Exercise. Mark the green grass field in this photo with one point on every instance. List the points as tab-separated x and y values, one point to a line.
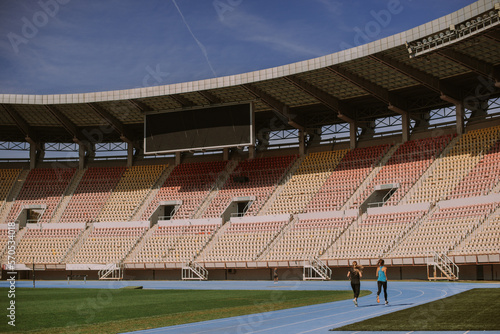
476	309
112	311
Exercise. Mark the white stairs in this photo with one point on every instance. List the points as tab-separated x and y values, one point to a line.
441	266
194	271
111	271
315	269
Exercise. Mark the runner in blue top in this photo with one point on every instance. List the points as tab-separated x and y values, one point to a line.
382	280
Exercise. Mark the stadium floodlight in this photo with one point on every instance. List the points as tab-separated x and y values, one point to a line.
409	48
454	32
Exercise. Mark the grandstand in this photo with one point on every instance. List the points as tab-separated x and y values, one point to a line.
387	150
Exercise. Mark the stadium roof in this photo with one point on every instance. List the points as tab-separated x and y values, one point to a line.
454	59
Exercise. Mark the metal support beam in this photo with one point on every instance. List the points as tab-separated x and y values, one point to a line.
212	98
429	81
405	121
111	120
493	35
345	118
66	123
328	100
371	88
480	67
459	111
184	102
140	105
29	134
278	107
116	125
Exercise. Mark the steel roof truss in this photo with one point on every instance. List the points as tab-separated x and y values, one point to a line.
431	82
21	123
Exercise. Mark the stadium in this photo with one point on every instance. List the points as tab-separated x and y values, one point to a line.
386	150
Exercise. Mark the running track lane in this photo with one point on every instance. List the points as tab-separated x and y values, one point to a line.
323	317
308	319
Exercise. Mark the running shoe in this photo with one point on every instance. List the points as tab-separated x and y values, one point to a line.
355	302
378	299
386	302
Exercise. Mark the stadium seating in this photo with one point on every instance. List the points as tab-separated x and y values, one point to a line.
305	183
243	239
176	241
130	192
108	244
91	194
260	178
443	230
189	182
456	165
482	178
47	244
375	234
452	208
309	236
406	165
4	237
7	179
347	177
43	186
485	240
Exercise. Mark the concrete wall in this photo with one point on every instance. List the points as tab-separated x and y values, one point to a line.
487	272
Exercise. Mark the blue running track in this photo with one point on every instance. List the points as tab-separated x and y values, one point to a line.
308	319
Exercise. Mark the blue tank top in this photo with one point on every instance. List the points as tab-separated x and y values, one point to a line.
381	275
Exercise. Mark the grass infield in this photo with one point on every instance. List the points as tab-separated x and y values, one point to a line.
476	309
119	310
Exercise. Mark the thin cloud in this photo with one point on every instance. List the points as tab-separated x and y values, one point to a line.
200	45
253	28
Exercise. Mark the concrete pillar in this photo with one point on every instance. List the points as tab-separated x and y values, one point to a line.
251	152
81	156
177	158
459	111
352	135
130	154
302	142
460	117
33	155
405	120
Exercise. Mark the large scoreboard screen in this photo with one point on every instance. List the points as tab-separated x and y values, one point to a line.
198	129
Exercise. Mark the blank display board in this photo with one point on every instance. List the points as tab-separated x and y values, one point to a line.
197	129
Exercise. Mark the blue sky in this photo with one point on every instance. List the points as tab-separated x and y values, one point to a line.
77	46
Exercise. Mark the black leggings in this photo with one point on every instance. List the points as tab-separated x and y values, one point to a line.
355	288
380	285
